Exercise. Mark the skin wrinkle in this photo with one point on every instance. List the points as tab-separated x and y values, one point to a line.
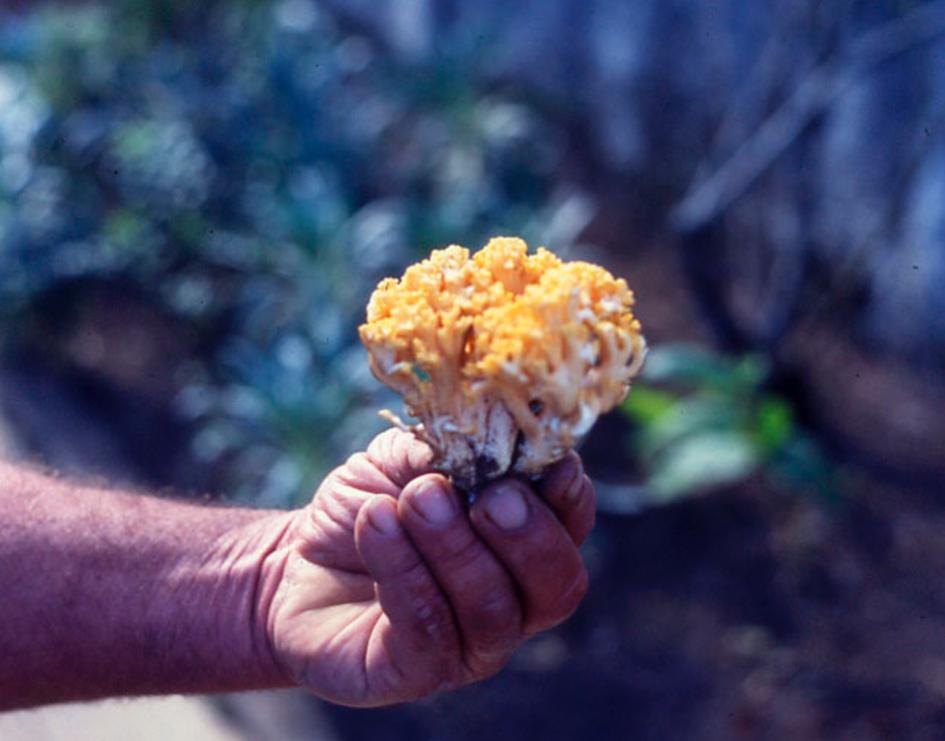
328	522
108	593
360	469
391	447
461	558
346	639
265	584
383	678
493	611
371	649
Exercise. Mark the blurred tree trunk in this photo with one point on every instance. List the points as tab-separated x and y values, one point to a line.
792	151
773	137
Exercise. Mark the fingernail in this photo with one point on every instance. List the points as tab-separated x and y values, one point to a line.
384	519
434	504
506	507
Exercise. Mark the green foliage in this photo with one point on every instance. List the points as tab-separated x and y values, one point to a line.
254	170
704	421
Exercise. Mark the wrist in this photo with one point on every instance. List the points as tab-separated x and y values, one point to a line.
224	602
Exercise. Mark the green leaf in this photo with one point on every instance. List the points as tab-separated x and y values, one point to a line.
645	404
686	364
702	462
749	373
684	418
775	424
698	368
800	464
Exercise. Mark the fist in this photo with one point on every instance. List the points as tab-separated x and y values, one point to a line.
389	590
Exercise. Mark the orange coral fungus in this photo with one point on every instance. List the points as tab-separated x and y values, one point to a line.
506	358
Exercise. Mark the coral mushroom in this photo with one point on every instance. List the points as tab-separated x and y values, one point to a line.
506	358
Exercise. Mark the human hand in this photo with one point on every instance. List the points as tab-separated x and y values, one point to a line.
386	590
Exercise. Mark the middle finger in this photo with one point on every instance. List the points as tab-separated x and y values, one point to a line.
478	587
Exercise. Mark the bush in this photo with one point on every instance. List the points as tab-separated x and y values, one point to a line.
703	421
253	169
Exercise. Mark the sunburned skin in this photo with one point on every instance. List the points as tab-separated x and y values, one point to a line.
507	359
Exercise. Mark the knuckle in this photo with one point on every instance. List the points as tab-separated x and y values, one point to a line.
386	438
376	447
355	468
495	619
428	609
560	608
411	570
463	553
399	455
497	606
356	459
406	568
381	447
429	617
351	471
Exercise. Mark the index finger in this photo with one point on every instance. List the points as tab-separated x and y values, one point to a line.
400	456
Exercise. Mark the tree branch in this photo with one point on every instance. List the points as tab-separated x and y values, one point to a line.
710	196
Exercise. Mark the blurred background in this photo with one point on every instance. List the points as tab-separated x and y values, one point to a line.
196	201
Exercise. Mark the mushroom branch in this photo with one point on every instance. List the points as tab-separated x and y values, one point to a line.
506	358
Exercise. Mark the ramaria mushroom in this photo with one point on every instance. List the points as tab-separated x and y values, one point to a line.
507	359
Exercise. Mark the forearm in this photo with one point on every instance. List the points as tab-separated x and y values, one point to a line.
104	593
